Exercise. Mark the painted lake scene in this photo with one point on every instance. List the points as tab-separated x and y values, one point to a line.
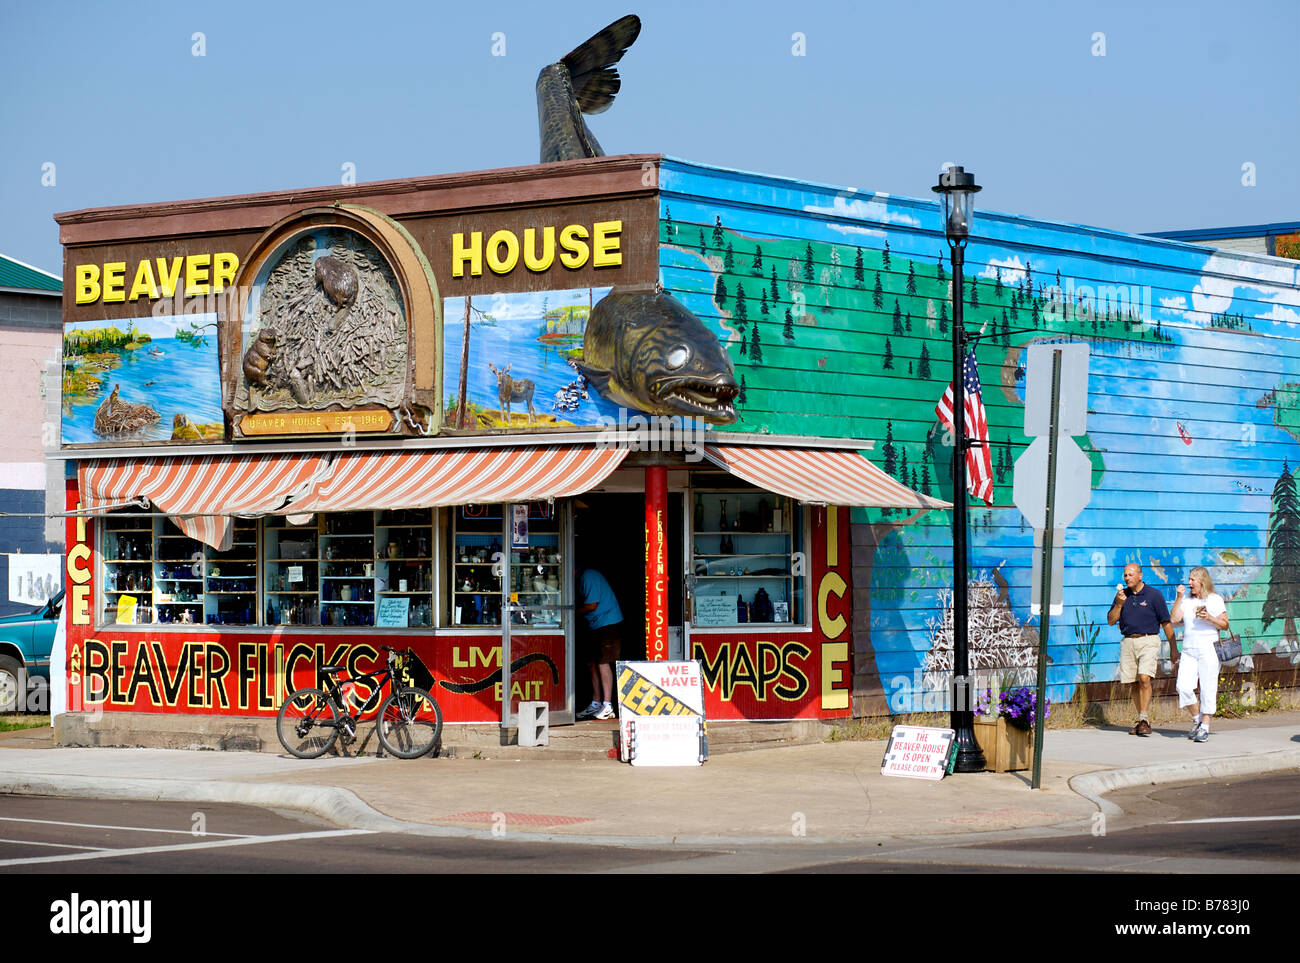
520	371
143	380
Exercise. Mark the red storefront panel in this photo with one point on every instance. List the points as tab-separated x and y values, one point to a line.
772	672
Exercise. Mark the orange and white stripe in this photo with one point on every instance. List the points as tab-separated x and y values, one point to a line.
361	480
823	476
201	493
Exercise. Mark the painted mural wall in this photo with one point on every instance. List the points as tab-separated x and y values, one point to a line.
834	306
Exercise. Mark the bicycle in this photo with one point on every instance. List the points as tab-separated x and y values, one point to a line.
408	724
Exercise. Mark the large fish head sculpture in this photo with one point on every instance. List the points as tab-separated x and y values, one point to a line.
647	351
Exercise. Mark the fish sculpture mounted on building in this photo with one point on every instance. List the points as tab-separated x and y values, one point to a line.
584	81
645	350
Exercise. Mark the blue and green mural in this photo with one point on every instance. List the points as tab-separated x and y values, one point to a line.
834	306
146	380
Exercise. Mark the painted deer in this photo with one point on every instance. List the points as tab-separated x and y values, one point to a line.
511	389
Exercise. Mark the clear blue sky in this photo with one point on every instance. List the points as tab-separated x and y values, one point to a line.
1151	136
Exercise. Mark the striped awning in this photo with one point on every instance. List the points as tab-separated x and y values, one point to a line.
823	476
360	480
201	493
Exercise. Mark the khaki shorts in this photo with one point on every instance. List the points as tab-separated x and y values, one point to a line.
1137	656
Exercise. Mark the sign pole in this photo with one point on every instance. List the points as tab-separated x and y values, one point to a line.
1045	605
656	563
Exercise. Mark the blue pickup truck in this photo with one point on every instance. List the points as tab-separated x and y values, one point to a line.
25	642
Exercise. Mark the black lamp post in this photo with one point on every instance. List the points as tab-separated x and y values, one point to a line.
957	190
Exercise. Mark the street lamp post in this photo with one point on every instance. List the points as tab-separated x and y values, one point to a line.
957	190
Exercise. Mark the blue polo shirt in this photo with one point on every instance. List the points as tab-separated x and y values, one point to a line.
1143	612
592	587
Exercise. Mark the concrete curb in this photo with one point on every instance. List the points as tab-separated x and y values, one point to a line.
1094	785
341	807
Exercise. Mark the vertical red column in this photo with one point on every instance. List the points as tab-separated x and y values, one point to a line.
656	563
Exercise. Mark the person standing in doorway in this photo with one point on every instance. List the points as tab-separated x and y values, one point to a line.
600	644
1203	616
1140	611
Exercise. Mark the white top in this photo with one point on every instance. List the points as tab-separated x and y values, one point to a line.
1201	631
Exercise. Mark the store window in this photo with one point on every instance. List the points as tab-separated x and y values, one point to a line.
340	569
745	544
155	573
536	564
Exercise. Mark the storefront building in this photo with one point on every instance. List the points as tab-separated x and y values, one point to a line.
303	425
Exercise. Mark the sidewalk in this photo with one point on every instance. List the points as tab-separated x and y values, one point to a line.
831	791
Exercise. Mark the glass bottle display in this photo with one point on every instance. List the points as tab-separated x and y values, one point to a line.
744	571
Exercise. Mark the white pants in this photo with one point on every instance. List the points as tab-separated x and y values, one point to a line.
1198	663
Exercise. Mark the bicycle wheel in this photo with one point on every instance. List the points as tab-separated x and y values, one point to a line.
409	723
308	723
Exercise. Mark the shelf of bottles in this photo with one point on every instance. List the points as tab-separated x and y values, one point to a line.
404	564
291	572
230	577
537	572
742	543
127	549
476	565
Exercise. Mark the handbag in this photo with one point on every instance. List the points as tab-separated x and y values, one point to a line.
1229	649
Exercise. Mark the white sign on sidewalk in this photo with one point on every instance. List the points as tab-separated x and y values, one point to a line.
919	752
661	713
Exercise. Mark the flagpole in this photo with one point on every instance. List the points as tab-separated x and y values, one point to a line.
962	718
956	188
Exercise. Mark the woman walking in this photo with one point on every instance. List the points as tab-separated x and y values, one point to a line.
1203	616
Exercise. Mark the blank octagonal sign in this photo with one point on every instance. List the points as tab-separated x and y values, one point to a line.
1073	482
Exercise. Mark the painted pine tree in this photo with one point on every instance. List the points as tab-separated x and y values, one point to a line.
788	331
762	303
878	294
669	228
742	309
884	256
898	318
859	276
889	355
744	343
776	295
720	293
703	247
943	318
808	263
911	277
1283	600
974	294
729	260
888	449
923	363
757	265
717	233
743	391
755	347
939	271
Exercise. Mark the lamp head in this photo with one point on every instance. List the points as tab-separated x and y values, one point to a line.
958	189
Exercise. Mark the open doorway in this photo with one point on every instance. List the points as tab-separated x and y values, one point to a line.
609	536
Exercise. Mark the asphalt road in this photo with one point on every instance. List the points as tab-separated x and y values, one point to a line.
1255	828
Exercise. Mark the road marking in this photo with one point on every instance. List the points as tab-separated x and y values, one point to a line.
130	829
32	842
184	847
1233	819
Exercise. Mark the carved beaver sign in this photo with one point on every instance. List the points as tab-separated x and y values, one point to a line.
338	280
257	360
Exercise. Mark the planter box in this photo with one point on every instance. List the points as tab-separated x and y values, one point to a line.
1006	748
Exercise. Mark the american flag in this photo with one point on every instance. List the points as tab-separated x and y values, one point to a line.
979	463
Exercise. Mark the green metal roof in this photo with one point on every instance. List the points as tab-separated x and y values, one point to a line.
16	274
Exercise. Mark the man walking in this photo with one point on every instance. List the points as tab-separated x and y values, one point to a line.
1140	611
